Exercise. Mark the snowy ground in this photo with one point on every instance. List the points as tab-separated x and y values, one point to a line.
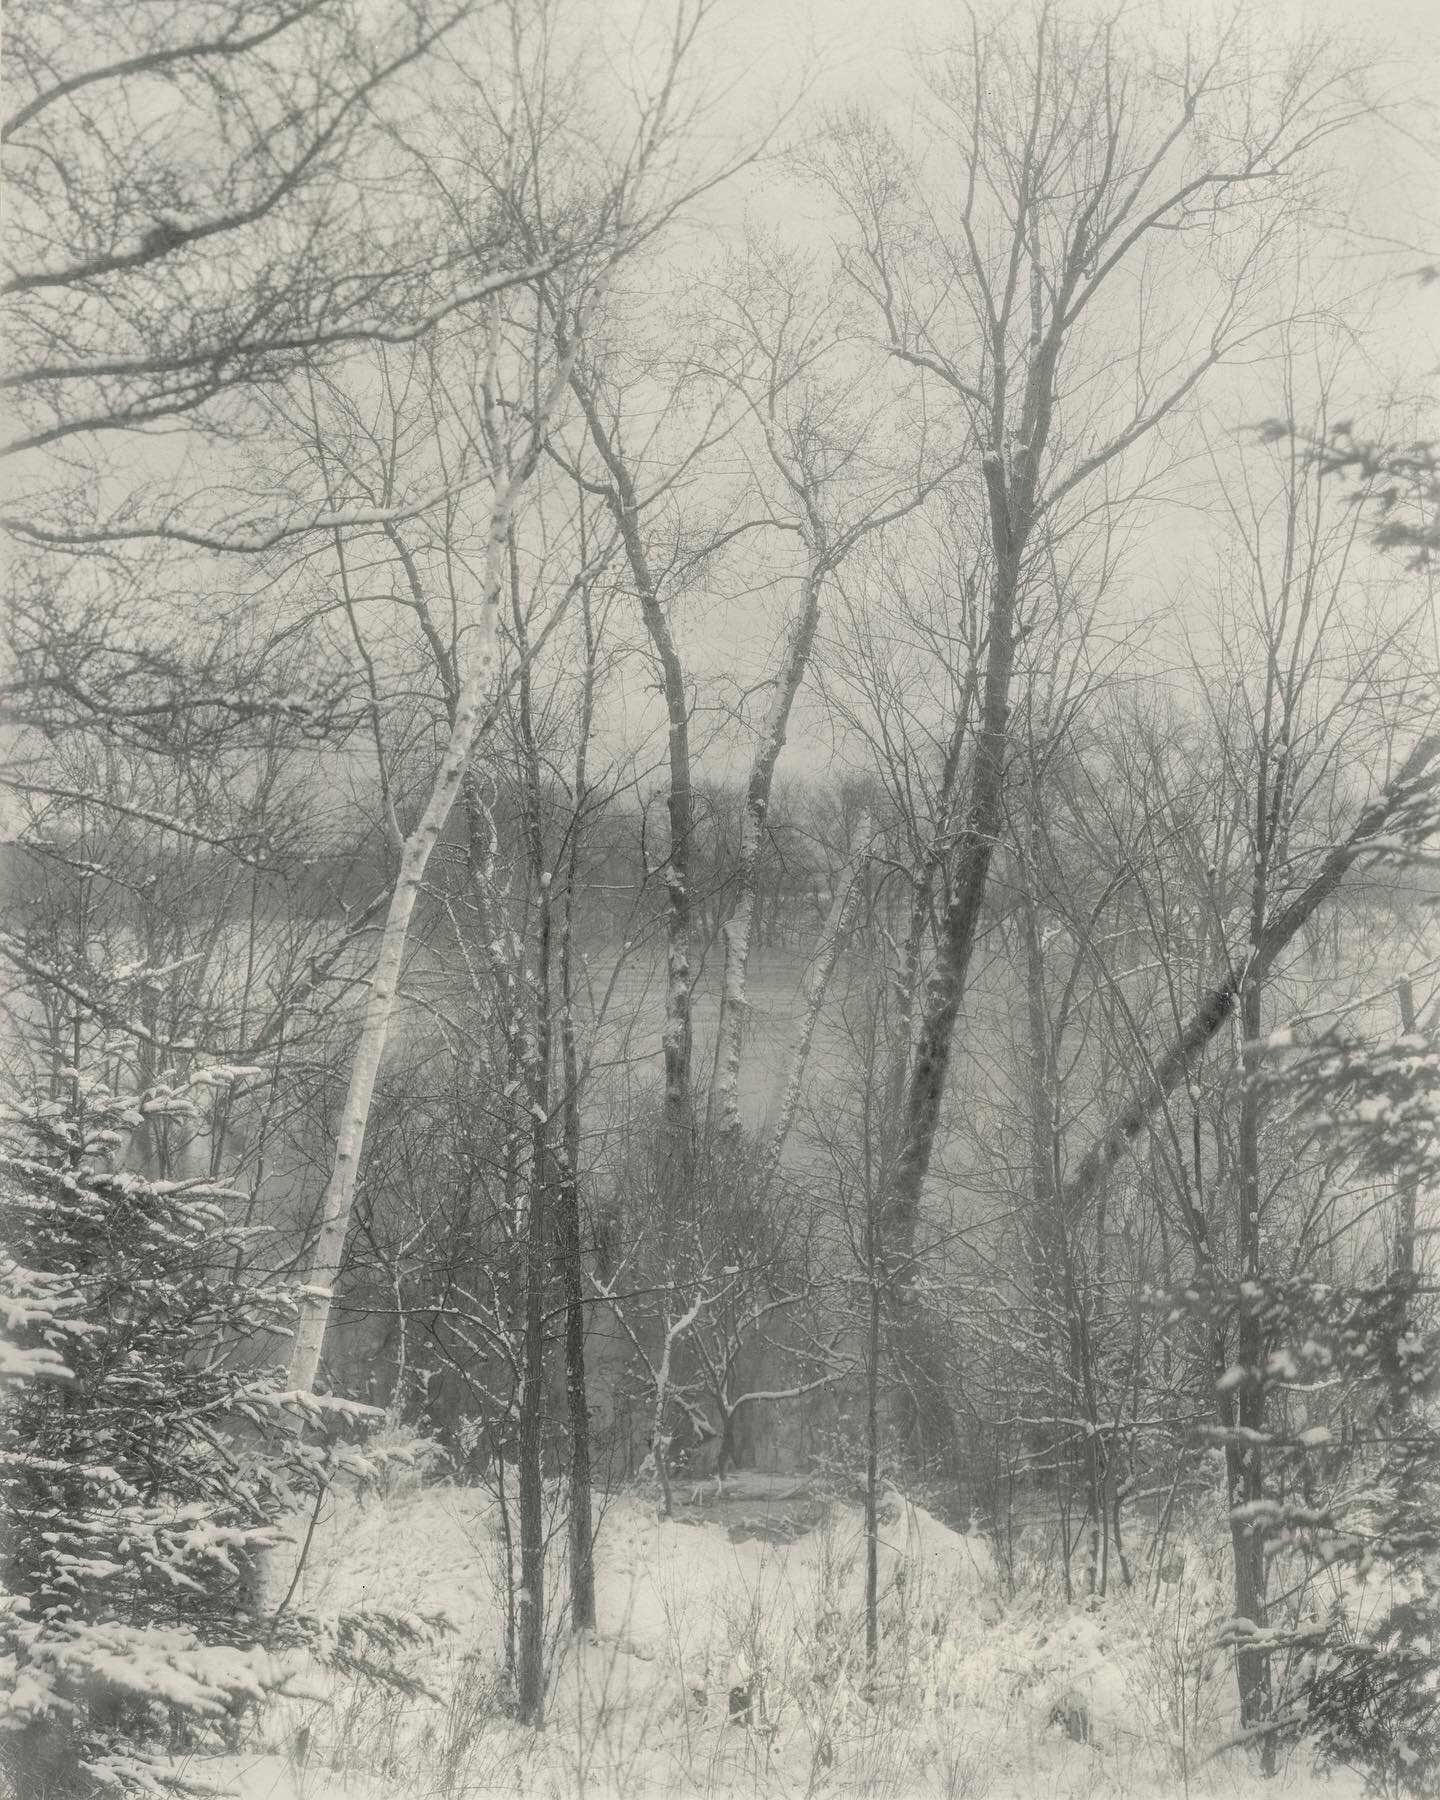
977	1692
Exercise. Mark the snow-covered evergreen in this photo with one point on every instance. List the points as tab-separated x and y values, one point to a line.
148	1461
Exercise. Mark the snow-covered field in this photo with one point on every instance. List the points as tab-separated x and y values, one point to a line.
977	1691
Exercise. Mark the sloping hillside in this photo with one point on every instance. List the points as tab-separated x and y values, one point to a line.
730	1660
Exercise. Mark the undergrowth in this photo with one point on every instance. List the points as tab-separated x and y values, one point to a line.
740	1669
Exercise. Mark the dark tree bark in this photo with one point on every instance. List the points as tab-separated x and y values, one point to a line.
567	1195
1243	1464
530	1668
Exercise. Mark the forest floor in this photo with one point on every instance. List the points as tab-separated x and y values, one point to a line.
730	1660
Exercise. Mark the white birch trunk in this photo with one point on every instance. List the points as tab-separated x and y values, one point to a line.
733	1000
826	955
318	1292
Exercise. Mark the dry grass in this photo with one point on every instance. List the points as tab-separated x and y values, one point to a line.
975	1692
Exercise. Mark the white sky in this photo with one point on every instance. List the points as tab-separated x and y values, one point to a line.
865	50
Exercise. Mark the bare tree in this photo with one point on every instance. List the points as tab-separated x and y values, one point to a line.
511	426
1075	161
787	356
196	204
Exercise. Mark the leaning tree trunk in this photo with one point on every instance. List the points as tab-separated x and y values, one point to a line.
1385	813
945	991
1408	794
971	871
932	859
323	1269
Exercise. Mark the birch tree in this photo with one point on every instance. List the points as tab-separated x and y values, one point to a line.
793	360
520	378
637	500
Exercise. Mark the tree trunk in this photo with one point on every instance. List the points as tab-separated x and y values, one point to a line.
531	1406
567	1239
677	1036
323	1270
727	1457
1404	1270
752	837
502	1497
1244	1473
1056	1233
1403	793
530	1679
945	991
580	1510
946	988
317	1293
874	1272
826	954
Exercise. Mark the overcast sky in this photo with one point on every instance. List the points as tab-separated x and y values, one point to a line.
843	51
